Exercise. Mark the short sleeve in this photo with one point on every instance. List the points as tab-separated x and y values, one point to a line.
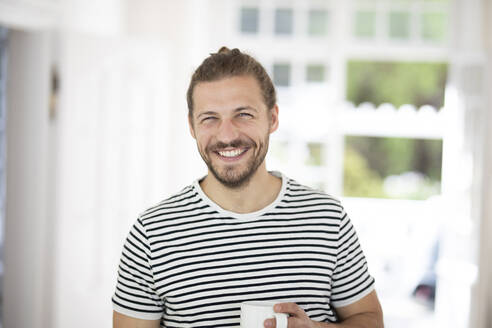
351	280
135	294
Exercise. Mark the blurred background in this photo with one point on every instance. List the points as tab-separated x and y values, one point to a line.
383	103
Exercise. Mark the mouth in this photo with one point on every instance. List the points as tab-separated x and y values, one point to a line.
231	154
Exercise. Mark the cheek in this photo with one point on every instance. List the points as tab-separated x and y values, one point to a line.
202	140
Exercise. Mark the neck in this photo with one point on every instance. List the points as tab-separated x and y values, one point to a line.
260	191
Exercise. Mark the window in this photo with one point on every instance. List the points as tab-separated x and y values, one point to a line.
433	26
284	21
399	25
281	75
318	22
315	73
280	150
398	83
365	24
315	154
249	20
399	168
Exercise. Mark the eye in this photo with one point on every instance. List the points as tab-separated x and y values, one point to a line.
208	119
245	115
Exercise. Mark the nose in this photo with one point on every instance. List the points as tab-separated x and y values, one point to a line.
227	131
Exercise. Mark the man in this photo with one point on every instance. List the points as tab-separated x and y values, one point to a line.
241	233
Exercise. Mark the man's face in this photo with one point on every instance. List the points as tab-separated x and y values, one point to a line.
232	125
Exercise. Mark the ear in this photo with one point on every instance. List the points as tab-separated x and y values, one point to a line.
190	125
274	118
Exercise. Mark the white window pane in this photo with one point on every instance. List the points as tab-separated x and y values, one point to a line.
249	20
399	25
318	22
315	154
284	21
315	73
434	26
281	75
365	24
280	150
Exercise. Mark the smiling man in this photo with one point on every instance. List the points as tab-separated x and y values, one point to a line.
241	232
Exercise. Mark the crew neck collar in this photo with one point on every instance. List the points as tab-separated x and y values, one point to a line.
222	211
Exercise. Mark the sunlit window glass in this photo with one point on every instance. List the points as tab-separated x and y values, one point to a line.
365	24
281	74
280	150
400	168
315	73
399	25
318	22
397	83
315	154
284	21
249	20
433	26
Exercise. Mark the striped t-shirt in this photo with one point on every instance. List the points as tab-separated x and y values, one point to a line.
190	263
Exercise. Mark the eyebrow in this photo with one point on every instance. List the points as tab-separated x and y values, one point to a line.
206	113
238	109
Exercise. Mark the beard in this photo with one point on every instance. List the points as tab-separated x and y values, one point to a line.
235	176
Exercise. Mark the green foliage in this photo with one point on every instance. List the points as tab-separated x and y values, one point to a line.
427	158
370	160
390	156
315	157
359	179
397	83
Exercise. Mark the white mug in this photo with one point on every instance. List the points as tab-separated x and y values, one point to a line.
254	314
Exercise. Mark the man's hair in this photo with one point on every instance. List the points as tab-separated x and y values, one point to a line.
230	63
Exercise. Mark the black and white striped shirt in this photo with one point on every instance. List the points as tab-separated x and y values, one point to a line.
191	263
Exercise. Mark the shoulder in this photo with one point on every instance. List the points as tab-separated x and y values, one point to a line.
187	200
299	197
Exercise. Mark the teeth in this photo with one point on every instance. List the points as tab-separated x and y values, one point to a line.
230	153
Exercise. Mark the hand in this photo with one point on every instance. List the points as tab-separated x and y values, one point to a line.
298	318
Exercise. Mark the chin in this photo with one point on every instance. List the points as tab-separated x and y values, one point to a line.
234	179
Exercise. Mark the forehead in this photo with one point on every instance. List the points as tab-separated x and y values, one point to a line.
227	93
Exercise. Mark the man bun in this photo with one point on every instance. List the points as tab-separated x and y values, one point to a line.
223	50
227	51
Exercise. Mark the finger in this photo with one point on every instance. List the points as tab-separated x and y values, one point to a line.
269	323
290	308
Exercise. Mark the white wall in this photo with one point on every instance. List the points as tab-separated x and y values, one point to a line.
183	27
112	164
482	302
32	15
28	226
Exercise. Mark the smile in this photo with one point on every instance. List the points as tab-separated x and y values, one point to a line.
232	153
